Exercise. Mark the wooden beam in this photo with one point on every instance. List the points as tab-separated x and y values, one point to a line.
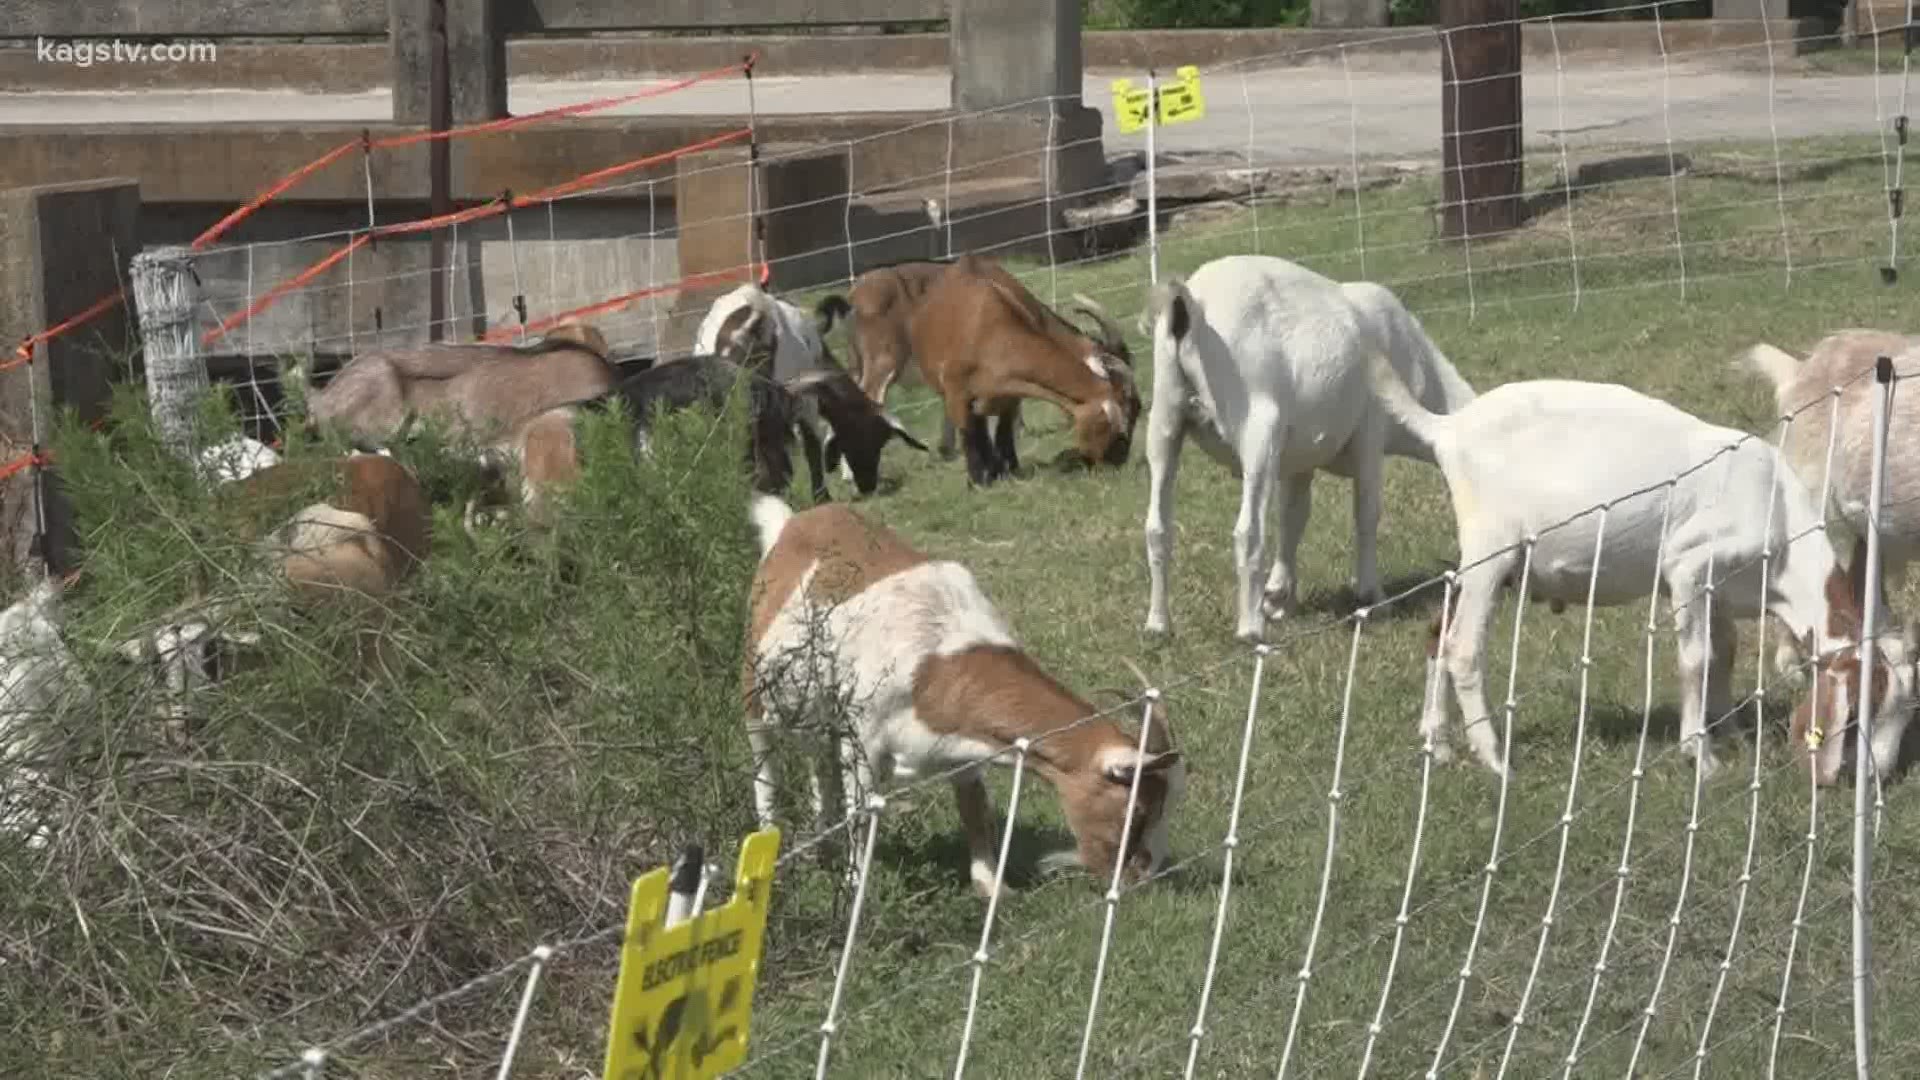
1481	135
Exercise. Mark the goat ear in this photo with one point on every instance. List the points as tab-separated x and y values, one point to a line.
900	429
810	382
830	451
1152	763
744	335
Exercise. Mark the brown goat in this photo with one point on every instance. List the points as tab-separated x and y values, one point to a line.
985	342
878	312
480	389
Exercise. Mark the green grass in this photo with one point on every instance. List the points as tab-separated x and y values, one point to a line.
593	728
1063	558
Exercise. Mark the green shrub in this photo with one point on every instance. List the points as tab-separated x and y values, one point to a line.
398	797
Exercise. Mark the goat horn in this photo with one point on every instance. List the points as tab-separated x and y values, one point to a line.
1111	336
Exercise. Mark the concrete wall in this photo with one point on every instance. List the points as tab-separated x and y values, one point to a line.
60	248
370	18
191	18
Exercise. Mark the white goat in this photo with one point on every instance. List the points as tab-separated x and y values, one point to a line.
848	618
1525	463
235	459
1263	362
36	673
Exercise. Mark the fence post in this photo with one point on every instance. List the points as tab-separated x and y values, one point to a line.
1153	170
62	246
1866	767
475	45
165	294
1480	140
439	165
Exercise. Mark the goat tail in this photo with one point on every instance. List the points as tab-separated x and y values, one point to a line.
831	308
1425	425
1779	366
770	515
1168	317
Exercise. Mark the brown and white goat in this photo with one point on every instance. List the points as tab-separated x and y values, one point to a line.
985	343
367	531
849	619
480	389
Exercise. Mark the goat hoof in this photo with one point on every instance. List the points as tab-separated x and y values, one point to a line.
1442	753
1277	603
1250	637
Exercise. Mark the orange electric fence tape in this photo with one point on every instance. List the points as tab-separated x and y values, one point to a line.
581	108
500	333
24	461
24	353
282	289
272	192
460	217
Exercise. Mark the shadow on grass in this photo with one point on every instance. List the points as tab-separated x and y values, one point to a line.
948	849
1340	601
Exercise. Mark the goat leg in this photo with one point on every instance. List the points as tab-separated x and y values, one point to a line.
1003	439
983	464
816	468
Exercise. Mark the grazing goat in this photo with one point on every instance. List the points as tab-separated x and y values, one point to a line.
749	320
878	313
985	342
545	450
1263	363
795	340
1527	463
482	390
1845	359
845	612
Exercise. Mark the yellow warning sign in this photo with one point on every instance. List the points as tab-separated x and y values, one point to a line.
1180	101
685	993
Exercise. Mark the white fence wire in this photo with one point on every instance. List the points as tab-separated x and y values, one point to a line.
1556	974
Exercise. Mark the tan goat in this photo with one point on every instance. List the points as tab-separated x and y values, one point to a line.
985	342
480	389
1803	390
878	312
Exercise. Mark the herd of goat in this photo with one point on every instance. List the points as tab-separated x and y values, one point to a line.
1567	489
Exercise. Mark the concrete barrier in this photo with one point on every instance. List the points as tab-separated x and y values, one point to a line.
61	243
345	68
